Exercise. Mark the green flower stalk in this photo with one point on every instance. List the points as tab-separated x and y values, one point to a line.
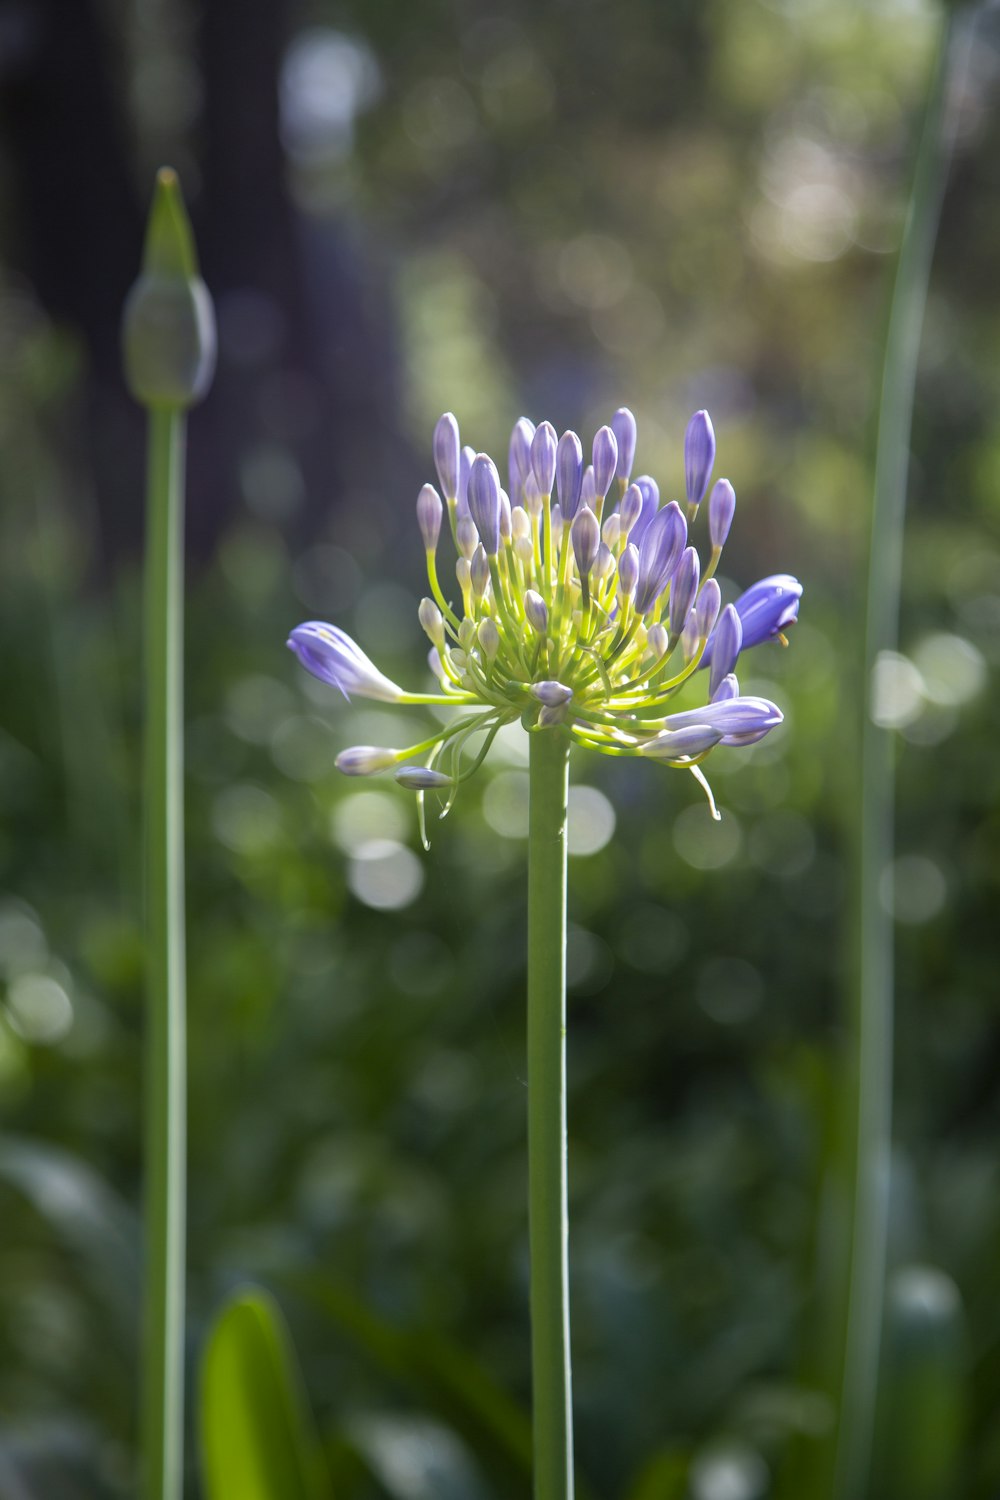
169	347
580	610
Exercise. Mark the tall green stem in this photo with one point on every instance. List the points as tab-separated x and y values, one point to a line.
547	1202
165	1137
873	1010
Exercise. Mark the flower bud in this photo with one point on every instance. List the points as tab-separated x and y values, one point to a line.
466	636
569	473
519	456
463	572
447	454
728	688
520	522
588	491
543	457
628	570
479	572
699	456
168	329
484	502
659	553
721	509
429	513
657	641
552	694
536	611
611	530
683	588
605	460
585	534
671	744
630	509
464	468
466	535
431	622
489	638
650	492
365	760
727	640
504	516
707	608
532	496
623	427
604	563
556	522
421	778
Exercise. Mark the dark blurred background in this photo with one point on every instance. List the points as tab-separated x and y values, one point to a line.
492	208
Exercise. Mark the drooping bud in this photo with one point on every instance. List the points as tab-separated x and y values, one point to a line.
519	456
429	513
365	760
727	640
543	457
569	473
623	427
168	330
585	534
431	622
659	553
536	611
605	460
699	456
683	588
489	637
421	778
721	509
447	448
552	694
484	502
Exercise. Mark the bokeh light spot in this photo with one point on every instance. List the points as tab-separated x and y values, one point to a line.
385	875
591	822
703	843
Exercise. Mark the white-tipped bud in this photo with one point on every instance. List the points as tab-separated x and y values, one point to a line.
505	514
605	564
429	513
520	523
523	550
365	760
612	530
532	496
535	611
431	622
657	641
466	535
489	638
463	572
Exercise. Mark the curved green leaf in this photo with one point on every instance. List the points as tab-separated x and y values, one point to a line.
258	1441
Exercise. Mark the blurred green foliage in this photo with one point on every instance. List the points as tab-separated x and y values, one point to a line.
670	206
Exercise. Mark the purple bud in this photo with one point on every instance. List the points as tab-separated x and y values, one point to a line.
721	509
543	457
505	521
605	460
519	456
683	588
466	535
585	534
552	694
659	553
484	502
556	522
628	570
690	638
728	688
429	513
727	640
464	468
365	760
699	456
736	718
535	611
691	739
446	454
768	607
707	608
479	572
331	655
631	508
569	473
650	492
623	427
421	778
532	496
588	490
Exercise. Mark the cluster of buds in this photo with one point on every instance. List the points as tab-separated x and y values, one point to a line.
578	605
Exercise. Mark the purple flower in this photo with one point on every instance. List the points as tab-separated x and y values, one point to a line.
330	654
766	609
484	502
691	739
446	454
659	553
730	716
623	427
699	456
605	460
569	473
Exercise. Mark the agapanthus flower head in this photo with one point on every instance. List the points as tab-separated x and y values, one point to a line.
577	605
